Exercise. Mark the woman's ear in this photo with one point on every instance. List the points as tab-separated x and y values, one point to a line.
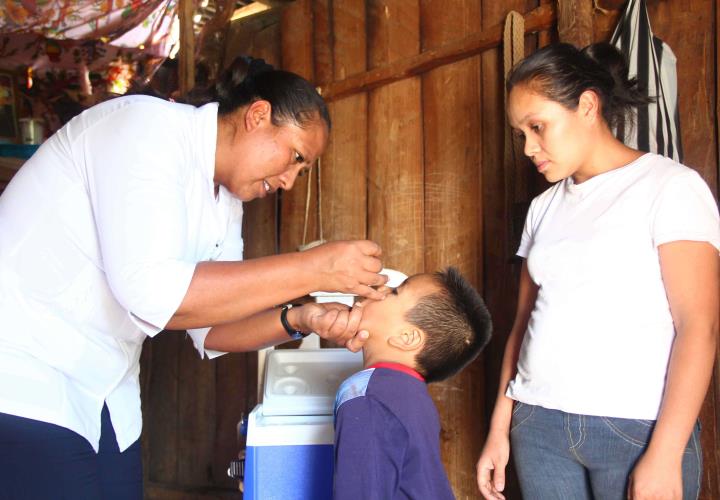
407	340
257	114
589	105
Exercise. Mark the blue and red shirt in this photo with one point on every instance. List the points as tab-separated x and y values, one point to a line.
387	437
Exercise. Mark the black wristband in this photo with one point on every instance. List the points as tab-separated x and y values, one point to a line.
292	332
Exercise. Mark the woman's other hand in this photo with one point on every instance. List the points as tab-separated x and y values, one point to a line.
350	267
656	478
331	321
491	465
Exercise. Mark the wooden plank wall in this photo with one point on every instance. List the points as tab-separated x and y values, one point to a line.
404	165
416	165
451	110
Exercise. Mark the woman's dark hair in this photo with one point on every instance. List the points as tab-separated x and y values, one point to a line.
292	98
561	72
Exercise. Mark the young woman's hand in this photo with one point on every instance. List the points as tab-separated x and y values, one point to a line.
349	267
491	465
331	321
656	478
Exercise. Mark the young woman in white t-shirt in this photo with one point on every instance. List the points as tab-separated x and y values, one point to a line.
611	352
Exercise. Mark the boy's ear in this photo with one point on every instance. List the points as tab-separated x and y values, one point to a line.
407	340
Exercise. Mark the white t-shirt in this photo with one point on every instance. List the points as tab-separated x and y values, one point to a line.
100	232
599	337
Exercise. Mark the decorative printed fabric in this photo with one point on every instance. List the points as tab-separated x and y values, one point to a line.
657	126
125	23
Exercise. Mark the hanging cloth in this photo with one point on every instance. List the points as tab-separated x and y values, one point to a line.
657	125
123	23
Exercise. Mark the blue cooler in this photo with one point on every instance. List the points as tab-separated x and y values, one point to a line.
289	447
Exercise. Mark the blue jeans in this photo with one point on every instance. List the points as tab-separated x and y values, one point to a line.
562	455
44	461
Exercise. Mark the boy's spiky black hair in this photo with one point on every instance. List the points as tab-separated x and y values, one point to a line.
457	325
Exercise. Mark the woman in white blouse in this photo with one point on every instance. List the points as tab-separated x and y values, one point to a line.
126	222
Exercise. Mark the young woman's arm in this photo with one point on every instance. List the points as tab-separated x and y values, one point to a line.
690	273
496	451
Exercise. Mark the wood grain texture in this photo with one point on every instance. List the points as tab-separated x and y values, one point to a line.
323	41
452	201
395	170
344	164
539	19
574	21
196	417
296	43
161	423
186	54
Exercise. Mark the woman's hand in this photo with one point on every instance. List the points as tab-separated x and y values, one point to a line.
491	465
656	478
332	321
349	267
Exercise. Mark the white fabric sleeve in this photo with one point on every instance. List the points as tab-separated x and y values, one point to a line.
136	188
527	234
685	210
198	339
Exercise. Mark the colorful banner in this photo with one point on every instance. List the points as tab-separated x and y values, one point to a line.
125	23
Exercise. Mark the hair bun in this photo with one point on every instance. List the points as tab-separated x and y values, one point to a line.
609	58
257	66
240	73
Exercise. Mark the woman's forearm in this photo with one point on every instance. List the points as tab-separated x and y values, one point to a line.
689	374
225	292
250	334
503	405
527	293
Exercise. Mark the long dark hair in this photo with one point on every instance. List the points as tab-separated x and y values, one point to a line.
561	72
292	98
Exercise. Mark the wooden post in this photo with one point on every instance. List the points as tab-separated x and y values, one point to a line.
395	151
186	74
344	171
452	208
575	24
296	42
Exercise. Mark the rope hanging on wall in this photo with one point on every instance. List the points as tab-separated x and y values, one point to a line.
513	53
513	158
308	197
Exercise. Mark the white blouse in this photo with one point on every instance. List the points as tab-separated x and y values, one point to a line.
100	232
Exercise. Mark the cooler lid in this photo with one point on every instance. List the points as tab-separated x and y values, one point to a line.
304	381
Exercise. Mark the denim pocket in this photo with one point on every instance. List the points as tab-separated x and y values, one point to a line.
521	413
631	430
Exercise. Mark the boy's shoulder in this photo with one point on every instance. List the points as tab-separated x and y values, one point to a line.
353	387
388	386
